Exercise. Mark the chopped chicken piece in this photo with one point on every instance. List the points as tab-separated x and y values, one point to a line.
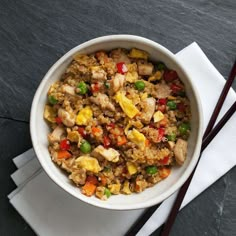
180	151
103	101
161	91
68	119
145	68
109	154
119	55
149	105
68	89
98	74
56	134
117	82
78	176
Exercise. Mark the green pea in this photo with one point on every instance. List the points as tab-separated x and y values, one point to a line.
161	66
171	137
151	170
52	100
83	89
181	94
172	105
107	192
139	85
85	147
184	128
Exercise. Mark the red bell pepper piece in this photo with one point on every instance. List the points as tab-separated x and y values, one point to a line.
106	141
165	160
121	67
162	101
82	131
65	144
58	120
161	133
170	75
95	87
176	88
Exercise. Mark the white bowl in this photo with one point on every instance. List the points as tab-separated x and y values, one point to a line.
39	129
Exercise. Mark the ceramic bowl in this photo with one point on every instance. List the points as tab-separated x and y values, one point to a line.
39	128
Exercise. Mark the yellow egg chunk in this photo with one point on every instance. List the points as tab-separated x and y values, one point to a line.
88	163
136	137
126	104
131	77
158	116
132	169
136	53
49	114
84	116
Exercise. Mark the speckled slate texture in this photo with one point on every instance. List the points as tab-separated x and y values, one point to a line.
34	34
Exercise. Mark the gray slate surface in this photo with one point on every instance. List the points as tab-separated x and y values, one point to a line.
34	34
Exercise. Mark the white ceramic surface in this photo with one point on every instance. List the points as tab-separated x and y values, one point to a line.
39	128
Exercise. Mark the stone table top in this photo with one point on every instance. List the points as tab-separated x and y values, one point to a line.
34	34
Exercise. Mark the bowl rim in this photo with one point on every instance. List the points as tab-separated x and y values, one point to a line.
104	39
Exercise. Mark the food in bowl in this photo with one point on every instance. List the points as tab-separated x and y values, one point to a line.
119	122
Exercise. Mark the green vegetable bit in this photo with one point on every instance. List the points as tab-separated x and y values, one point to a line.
107	192
85	147
83	89
184	128
139	85
107	85
151	170
172	105
181	94
171	137
107	168
161	66
52	100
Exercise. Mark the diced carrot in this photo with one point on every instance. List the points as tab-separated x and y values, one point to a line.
92	179
89	189
63	154
95	130
121	140
103	180
163	122
147	143
164	172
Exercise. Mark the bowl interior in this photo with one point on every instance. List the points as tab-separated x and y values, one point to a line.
39	128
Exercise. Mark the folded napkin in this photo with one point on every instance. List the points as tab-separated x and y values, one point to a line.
49	210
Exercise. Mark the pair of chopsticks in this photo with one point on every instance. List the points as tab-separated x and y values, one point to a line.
208	136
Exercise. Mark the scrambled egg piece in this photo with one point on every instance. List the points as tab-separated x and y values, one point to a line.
126	104
49	114
114	188
158	116
136	137
156	76
88	163
84	116
136	53
132	169
73	136
144	96
126	189
131	77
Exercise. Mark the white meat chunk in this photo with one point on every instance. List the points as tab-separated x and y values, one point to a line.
119	55
98	74
117	82
161	91
109	154
68	119
145	68
56	134
103	101
180	151
68	89
149	105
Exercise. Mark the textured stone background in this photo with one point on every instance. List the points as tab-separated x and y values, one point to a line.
34	34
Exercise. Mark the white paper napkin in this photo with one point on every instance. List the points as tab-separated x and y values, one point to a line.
51	211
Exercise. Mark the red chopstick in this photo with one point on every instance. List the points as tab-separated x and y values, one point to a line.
149	212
